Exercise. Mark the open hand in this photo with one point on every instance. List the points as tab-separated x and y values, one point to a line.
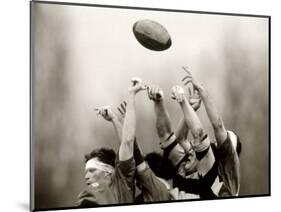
106	112
190	79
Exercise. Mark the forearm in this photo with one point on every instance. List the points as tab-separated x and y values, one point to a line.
128	130
211	109
181	134
192	120
213	115
138	156
181	131
163	122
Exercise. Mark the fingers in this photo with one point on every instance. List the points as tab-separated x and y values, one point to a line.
97	110
186	77
123	107
122	112
173	96
195	103
186	70
137	85
136	80
178	93
155	93
196	94
149	93
103	111
143	87
189	91
187	80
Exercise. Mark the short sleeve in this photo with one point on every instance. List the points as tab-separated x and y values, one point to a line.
87	198
126	168
172	150
153	188
123	180
229	166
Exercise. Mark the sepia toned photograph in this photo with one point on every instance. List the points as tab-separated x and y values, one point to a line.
139	105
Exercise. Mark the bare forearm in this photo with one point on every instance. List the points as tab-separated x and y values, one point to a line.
129	126
192	120
210	108
181	131
163	122
129	130
214	117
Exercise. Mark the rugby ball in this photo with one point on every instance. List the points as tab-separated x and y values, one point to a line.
152	35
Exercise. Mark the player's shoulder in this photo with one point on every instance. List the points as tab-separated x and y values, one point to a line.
87	196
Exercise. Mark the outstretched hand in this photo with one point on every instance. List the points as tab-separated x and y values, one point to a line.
190	79
195	101
193	94
106	112
122	111
136	86
178	93
155	93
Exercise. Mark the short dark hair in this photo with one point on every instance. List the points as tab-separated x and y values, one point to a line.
104	155
161	166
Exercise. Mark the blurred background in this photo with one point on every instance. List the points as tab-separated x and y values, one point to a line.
84	57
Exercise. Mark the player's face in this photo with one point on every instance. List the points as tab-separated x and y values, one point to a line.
189	166
96	177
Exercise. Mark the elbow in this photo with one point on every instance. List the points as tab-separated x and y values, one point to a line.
128	140
198	133
162	132
218	124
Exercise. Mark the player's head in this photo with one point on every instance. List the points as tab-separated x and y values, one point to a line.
162	167
99	166
188	163
181	154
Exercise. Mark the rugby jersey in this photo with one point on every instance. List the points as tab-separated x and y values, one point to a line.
218	169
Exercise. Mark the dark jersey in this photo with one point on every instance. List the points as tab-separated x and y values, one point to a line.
153	189
228	168
218	170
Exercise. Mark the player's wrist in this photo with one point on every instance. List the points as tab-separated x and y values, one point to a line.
114	119
184	101
202	91
132	93
159	101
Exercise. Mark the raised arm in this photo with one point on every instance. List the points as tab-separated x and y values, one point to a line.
129	126
163	122
182	130
212	112
108	114
117	121
174	149
191	119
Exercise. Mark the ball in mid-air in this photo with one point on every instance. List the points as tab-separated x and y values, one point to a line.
152	35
